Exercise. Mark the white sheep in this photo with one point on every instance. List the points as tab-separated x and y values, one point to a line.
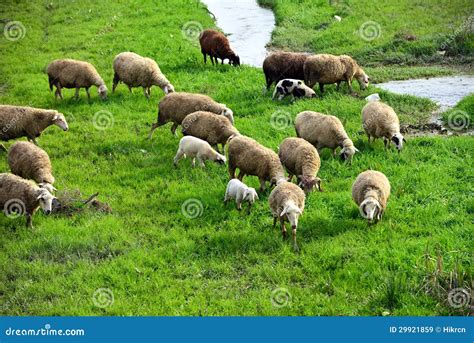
199	149
380	121
370	192
239	191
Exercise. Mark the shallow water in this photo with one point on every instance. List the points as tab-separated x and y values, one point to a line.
445	91
248	25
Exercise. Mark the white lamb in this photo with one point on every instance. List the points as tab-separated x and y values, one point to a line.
196	148
239	191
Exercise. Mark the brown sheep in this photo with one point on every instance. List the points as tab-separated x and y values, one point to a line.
216	45
287	204
176	106
22	197
252	158
328	69
284	65
31	162
68	73
300	158
19	121
208	126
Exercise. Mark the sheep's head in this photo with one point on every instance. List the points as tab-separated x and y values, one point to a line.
309	92
347	152
102	92
60	120
235	60
292	213
363	79
49	187
309	183
371	210
168	88
227	112
398	140
250	195
220	158
45	199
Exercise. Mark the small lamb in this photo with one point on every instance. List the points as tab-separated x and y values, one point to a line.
197	148
239	191
293	87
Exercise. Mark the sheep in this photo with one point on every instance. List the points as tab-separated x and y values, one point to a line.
283	65
199	149
300	158
31	162
22	197
216	45
325	131
239	191
253	159
296	88
176	106
287	204
327	69
380	121
213	128
19	121
68	73
370	192
137	71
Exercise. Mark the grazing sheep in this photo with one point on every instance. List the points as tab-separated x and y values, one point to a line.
328	69
68	73
31	162
22	197
213	128
216	45
370	192
293	87
380	121
373	97
137	71
300	158
19	121
287	204
254	159
239	191
199	149
325	131
283	65
176	106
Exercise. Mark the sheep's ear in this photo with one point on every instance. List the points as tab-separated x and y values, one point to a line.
56	117
39	197
298	210
362	210
404	140
357	150
256	195
284	211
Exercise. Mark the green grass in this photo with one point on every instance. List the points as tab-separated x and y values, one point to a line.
155	260
462	115
309	25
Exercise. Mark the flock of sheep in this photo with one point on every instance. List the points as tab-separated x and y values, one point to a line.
206	123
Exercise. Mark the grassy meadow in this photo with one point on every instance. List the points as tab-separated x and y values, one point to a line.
157	260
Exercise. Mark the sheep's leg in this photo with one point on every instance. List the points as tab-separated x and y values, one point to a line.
321	87
385	141
222	61
76	96
262	185
33	139
193	163
249	208
349	83
145	92
238	201
173	129
338	84
290	177
333	152
283	228
205	58
231	172
130	89
116	81
241	175
88	94
154	126
295	246
29	222
281	96
149	91
200	161
178	157
274	222
212	59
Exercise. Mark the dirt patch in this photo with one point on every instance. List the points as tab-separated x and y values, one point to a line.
428	129
70	202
